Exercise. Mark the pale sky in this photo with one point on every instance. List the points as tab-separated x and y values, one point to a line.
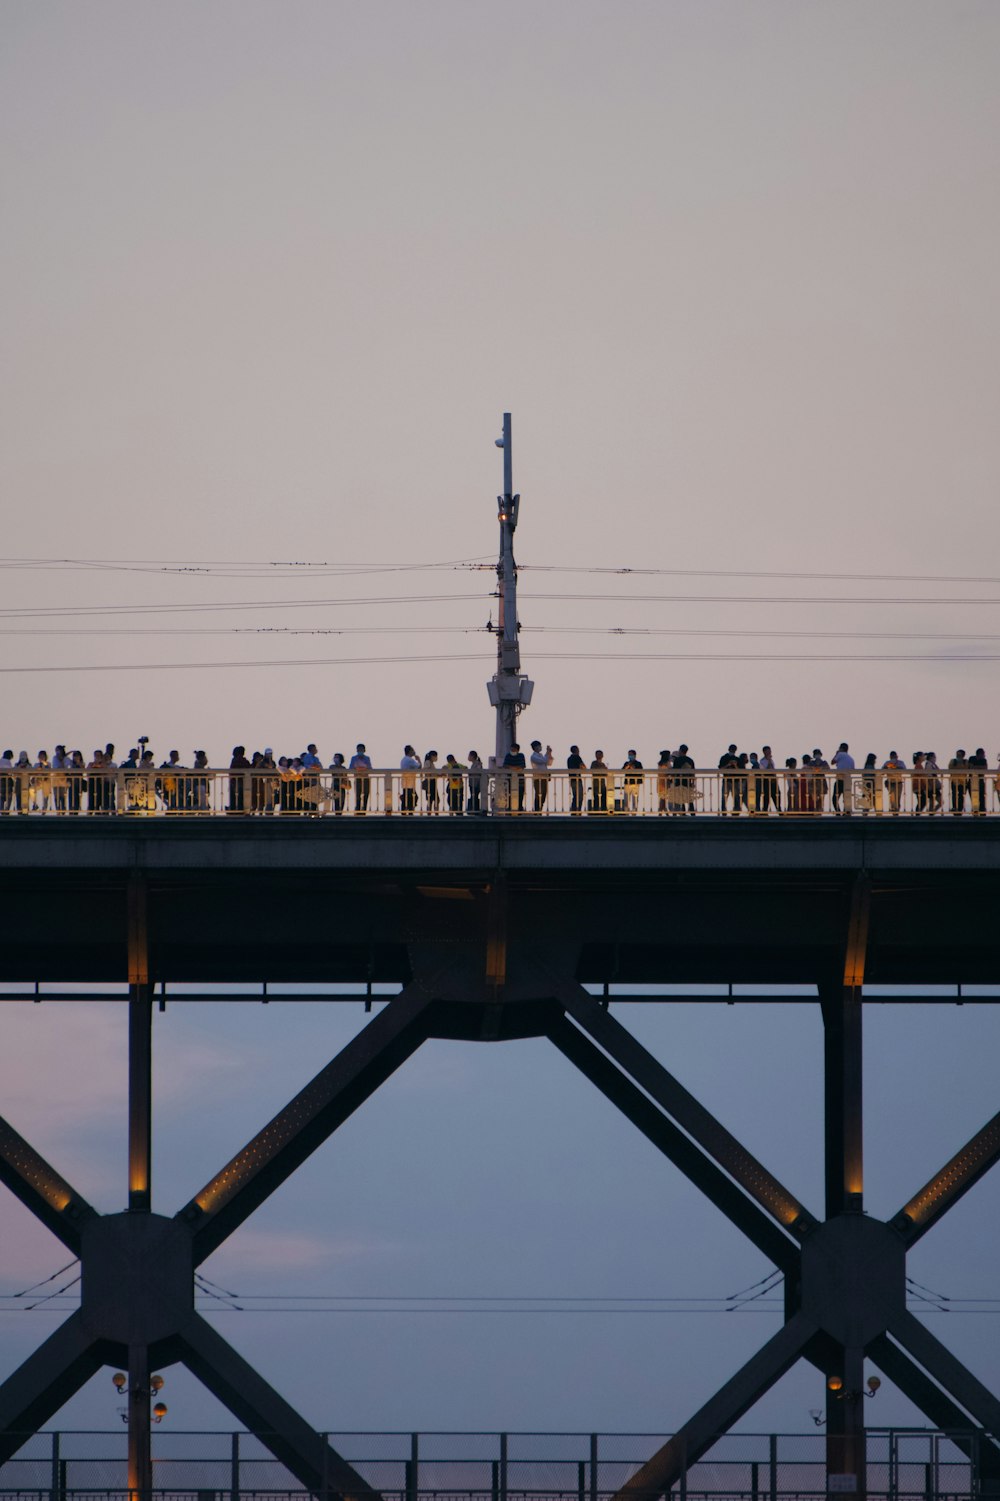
271	273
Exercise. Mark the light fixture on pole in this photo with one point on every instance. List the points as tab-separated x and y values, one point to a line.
120	1383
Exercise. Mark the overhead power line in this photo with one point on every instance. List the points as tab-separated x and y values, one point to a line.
559	656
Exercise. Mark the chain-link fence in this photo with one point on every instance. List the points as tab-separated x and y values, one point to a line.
902	1465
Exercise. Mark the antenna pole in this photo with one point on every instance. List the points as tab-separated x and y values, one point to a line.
509	691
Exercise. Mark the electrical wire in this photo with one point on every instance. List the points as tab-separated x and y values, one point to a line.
32	613
757	657
319	567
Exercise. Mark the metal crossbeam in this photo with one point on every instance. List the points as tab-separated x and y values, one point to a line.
46	1380
688	1112
929	1398
946	1369
682	1152
947	1186
720	1412
316	1111
41	1189
313	1461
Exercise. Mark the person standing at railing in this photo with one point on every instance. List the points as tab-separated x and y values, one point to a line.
311	768
844	763
919	780
819	766
514	761
360	768
793	790
409	766
429	781
575	765
632	782
958	781
664	780
339	782
767	782
237	783
76	776
599	773
199	785
6	781
60	785
933	773
39	783
977	787
541	760
869	777
455	784
728	763
171	785
685	793
894	768
96	784
477	773
111	784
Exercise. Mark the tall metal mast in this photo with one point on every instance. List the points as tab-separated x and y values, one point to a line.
509	690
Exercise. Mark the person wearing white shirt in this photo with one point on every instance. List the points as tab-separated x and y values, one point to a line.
767	782
844	762
540	763
361	764
409	766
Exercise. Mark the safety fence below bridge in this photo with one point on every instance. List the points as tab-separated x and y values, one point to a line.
901	1464
802	794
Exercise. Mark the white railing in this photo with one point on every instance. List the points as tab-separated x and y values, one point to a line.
656	793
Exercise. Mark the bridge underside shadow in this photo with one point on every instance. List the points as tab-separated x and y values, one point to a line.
488	953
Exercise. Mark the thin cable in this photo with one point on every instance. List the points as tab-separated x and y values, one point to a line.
747	573
27	1291
146	667
30	613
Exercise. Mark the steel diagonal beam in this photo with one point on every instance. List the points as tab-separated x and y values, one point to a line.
41	1189
682	1152
313	1462
948	1370
306	1122
947	1186
935	1404
683	1108
720	1412
47	1379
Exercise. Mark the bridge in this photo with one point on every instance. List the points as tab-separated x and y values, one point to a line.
483	930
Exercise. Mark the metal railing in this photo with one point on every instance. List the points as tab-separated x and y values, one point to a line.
900	1464
657	793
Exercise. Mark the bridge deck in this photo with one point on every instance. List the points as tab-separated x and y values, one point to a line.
640	900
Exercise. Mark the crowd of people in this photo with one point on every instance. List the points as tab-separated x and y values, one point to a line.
748	781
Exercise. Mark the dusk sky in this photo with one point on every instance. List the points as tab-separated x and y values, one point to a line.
271	274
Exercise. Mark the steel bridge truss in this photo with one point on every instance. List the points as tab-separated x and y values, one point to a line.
844	1272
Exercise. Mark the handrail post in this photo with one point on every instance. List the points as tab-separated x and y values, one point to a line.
55	1466
593	1467
234	1467
503	1467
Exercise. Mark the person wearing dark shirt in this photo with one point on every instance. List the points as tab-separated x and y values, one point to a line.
958	781
514	760
632	782
683	763
574	765
728	763
977	787
237	784
599	783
